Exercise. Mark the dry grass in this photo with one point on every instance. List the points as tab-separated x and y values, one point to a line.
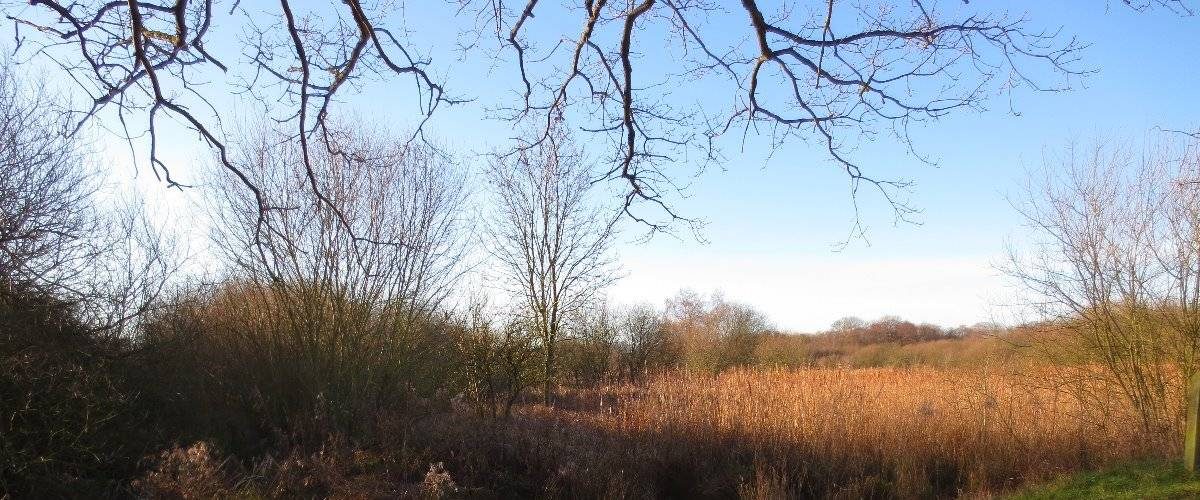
886	432
814	433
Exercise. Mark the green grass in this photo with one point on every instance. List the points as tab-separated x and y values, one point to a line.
1145	480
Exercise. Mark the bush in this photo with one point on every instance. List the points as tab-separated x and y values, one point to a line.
258	367
70	422
497	366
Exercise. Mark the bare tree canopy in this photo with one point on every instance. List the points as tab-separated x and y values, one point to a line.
550	240
56	237
1114	260
46	208
404	198
826	72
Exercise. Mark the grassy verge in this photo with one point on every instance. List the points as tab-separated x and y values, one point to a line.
1144	480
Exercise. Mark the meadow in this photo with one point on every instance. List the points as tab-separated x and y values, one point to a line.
850	433
918	432
878	432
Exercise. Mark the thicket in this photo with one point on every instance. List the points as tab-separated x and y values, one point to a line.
71	416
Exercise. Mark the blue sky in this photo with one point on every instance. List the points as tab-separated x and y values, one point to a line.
773	230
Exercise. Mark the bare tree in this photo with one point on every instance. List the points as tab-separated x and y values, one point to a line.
1178	7
135	266
46	197
820	72
847	323
321	313
401	242
648	345
715	333
150	61
56	238
827	72
1114	261
550	241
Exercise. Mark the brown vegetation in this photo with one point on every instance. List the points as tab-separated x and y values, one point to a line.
829	433
915	432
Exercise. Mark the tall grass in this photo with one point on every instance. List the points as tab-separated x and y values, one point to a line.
919	432
852	433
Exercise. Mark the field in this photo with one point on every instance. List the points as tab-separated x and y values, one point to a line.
811	433
195	424
851	433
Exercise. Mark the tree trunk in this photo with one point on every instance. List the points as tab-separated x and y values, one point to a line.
547	388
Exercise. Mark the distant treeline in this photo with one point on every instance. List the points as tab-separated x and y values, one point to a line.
711	334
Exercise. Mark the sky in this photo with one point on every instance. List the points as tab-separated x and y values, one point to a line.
774	230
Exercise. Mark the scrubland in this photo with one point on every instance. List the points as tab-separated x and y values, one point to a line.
230	394
808	433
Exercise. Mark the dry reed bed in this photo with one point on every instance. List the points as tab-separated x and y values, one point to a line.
889	432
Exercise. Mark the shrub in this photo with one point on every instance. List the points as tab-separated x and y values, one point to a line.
69	418
497	366
256	367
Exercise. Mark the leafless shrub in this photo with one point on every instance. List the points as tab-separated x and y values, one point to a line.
318	327
1115	263
589	350
498	363
649	345
715	334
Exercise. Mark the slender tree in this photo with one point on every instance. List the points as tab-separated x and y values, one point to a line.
550	241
